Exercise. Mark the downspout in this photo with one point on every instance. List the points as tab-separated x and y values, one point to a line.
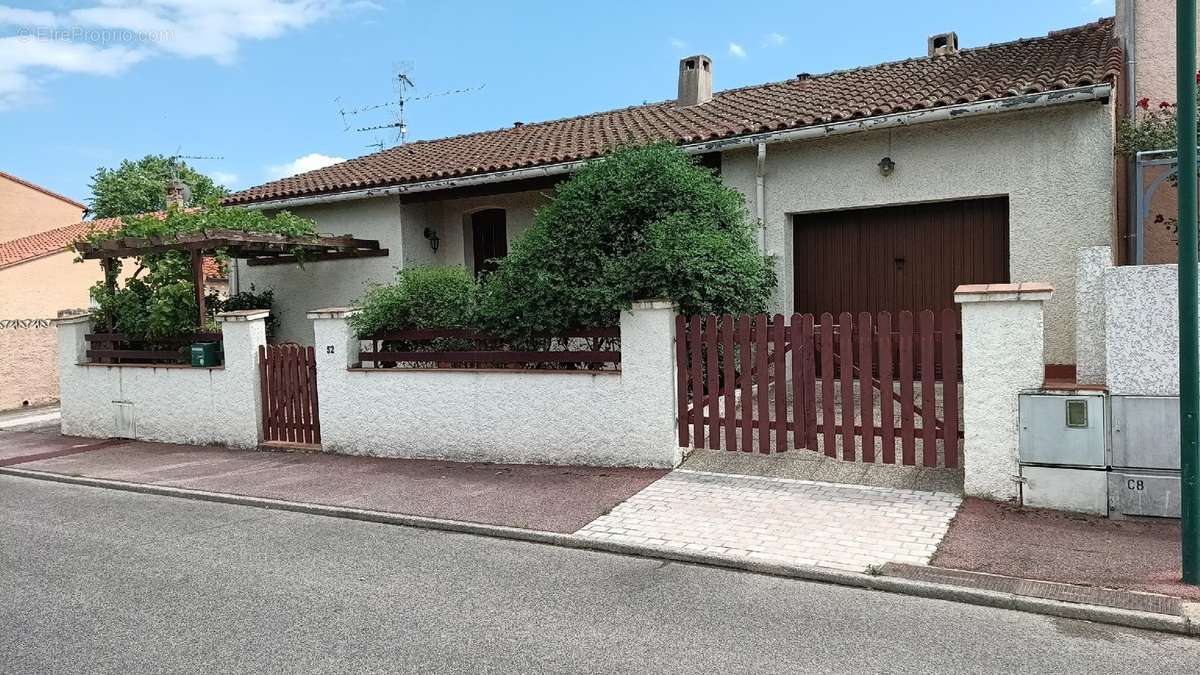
1132	173
759	194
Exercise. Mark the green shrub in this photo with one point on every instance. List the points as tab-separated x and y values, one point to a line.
421	297
640	223
248	299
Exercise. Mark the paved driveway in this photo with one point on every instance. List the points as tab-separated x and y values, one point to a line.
846	527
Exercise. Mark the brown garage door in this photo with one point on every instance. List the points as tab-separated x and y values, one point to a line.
898	257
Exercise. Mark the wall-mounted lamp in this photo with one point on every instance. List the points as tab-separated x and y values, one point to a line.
886	166
433	238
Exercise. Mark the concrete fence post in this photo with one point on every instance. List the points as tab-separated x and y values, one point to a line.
72	351
243	332
1090	263
648	375
1003	339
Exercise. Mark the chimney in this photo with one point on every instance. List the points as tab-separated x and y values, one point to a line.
695	81
178	193
943	44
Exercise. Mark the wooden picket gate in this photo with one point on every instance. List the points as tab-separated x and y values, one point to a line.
858	385
288	379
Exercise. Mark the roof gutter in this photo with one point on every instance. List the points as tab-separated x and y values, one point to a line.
1095	92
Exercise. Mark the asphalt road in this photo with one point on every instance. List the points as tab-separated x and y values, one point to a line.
93	580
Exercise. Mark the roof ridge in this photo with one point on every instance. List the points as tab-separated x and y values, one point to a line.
985	72
43	190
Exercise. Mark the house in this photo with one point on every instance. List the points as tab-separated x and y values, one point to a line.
877	188
26	208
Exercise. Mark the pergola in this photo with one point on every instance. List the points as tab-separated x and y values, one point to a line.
253	247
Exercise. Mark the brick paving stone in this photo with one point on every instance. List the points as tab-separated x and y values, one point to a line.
846	527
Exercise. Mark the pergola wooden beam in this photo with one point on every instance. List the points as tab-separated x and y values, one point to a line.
257	248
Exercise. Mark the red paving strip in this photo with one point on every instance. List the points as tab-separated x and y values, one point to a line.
16	447
1134	554
548	498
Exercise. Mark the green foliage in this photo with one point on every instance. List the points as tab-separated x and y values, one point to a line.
641	223
248	299
158	300
140	186
421	297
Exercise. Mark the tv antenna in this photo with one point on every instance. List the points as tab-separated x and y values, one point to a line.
402	86
173	161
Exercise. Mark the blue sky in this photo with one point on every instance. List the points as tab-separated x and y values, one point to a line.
85	84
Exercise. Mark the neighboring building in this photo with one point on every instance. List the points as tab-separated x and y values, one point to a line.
30	222
878	188
27	209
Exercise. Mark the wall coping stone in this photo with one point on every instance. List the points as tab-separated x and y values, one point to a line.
1037	291
243	315
67	317
654	303
332	313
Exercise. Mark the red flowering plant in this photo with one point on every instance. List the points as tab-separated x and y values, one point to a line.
1154	126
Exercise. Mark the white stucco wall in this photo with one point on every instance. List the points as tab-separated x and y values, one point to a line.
606	419
400	228
198	406
1142	329
1090	264
1055	166
1002	356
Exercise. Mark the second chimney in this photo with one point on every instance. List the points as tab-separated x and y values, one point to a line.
695	81
943	44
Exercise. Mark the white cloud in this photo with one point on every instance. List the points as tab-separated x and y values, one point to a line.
737	50
118	33
308	162
774	40
223	178
678	44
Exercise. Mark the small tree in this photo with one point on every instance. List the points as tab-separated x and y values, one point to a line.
640	223
140	186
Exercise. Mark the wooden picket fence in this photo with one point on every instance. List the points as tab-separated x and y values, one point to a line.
288	379
862	383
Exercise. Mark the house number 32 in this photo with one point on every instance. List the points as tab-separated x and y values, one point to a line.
328	349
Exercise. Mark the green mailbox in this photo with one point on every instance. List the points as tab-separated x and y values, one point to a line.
206	354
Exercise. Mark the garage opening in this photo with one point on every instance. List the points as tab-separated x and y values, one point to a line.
895	258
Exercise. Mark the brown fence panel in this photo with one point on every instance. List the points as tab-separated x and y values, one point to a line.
887	402
730	367
288	379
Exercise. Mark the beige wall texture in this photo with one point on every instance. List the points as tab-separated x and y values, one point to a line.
28	364
1055	165
25	211
31	292
400	228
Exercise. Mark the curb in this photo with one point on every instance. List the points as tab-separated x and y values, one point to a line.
1189	624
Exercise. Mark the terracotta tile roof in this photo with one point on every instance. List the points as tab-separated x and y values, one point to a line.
1063	59
51	241
39	188
16	251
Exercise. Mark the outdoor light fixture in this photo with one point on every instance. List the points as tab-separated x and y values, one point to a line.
886	166
433	238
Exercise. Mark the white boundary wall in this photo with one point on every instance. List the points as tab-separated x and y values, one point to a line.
600	419
1141	317
1003	335
169	404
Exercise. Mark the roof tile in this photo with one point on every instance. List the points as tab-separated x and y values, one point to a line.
1080	56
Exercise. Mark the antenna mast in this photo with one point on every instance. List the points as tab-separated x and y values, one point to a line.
402	84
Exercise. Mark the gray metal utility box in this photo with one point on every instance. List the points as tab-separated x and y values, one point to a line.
1063	450
1145	456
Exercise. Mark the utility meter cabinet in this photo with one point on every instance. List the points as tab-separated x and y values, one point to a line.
1090	452
1063	450
1144	480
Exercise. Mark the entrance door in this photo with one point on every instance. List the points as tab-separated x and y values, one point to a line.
896	258
489	238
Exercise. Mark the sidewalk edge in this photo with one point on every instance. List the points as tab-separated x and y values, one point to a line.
1189	624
